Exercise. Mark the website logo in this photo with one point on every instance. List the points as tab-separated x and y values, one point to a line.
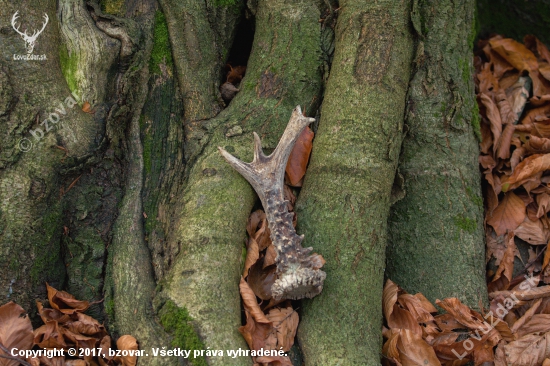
30	40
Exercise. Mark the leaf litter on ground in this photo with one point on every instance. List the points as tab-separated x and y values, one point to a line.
513	93
65	326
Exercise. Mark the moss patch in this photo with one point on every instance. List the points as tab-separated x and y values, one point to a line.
69	64
162	52
113	7
178	323
465	223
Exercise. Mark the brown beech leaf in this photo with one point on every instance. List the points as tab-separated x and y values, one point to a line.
509	213
65	302
254	221
530	166
49	336
389	349
235	74
257	334
532	232
530	350
51	314
252	255
261	279
537	47
507	115
262	236
516	157
413	350
515	53
285	321
500	65
486	139
426	304
127	343
493	115
496	246
526	317
543	127
503	144
447	323
414	305
270	256
539	323
403	319
536	114
389	298
86	325
445	343
250	303
545	71
299	157
503	276
15	330
538	145
468	317
487	81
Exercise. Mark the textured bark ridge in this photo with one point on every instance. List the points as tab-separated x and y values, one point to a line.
298	273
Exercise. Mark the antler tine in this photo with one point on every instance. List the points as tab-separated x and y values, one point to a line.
258	152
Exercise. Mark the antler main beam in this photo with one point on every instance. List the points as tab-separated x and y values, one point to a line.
298	272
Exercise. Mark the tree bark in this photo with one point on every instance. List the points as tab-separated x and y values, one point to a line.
437	237
31	127
344	204
282	72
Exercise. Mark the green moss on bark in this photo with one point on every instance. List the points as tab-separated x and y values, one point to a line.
179	324
162	52
69	67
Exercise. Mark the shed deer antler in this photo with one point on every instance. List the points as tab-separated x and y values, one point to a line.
298	272
29	40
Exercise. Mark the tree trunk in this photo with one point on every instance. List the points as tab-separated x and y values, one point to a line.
344	205
38	113
283	71
436	230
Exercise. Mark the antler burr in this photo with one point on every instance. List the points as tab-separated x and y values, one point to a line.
298	272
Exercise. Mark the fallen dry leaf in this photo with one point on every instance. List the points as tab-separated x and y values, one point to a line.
127	343
15	330
503	276
299	157
530	350
508	215
65	302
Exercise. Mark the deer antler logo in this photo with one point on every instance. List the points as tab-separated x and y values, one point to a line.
29	40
